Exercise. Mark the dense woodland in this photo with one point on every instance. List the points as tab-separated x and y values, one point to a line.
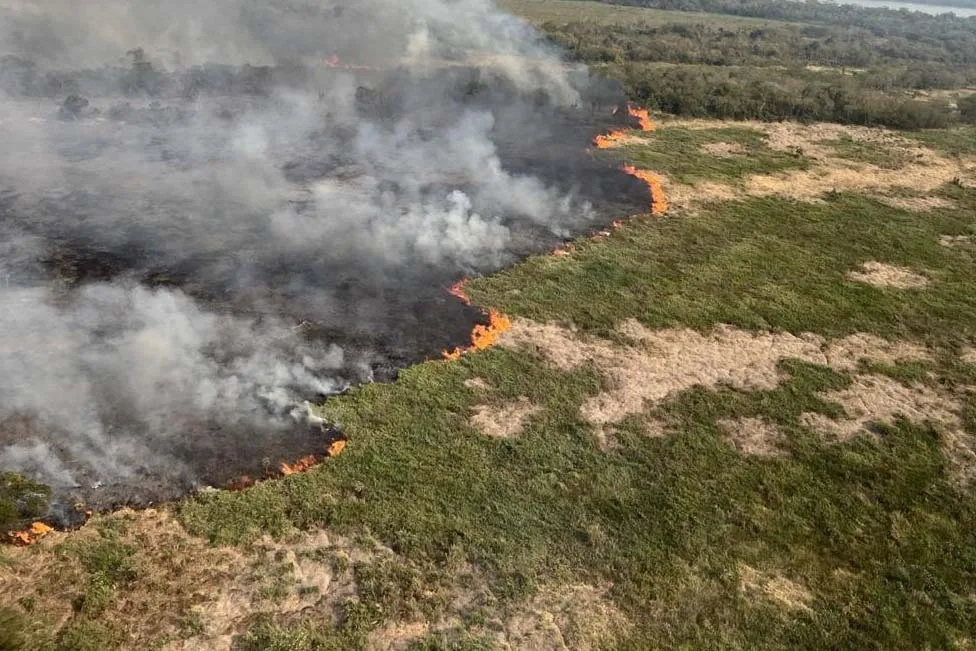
808	61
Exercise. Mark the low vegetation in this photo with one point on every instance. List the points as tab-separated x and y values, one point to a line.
750	423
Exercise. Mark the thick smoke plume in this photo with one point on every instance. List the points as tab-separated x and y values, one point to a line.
212	212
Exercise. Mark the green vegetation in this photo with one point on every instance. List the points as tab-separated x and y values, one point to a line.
760	264
954	142
21	500
829	63
874	529
687	156
869	152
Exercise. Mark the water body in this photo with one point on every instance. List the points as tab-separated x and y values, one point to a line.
910	6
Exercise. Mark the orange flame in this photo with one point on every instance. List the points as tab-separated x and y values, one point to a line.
457	290
30	536
310	461
609	140
659	202
615	138
643	116
483	336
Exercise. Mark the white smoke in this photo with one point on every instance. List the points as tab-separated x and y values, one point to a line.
232	187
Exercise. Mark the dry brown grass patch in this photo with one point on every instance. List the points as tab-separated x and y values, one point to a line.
955	240
577	617
723	149
785	592
880	274
477	383
505	420
915	204
877	398
926	171
753	436
662	363
845	354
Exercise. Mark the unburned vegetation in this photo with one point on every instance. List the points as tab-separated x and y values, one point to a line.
749	423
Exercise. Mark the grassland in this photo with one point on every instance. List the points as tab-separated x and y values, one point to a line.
749	424
595	13
729	509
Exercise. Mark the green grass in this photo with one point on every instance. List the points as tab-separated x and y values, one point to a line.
571	11
869	152
21	500
874	528
763	263
954	142
680	153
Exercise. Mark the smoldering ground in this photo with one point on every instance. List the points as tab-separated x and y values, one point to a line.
213	212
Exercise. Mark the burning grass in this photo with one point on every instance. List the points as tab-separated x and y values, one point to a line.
659	537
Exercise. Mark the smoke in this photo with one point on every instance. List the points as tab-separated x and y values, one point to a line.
213	211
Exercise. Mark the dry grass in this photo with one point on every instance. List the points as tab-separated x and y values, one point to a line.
661	363
503	421
955	240
753	436
576	617
783	591
880	274
876	398
915	204
924	171
723	149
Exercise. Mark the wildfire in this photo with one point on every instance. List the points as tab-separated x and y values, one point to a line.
305	463
457	290
609	140
335	62
30	536
643	116
659	202
483	336
616	137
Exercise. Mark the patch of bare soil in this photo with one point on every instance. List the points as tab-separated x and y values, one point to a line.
753	436
783	591
503	421
969	355
723	149
396	637
880	274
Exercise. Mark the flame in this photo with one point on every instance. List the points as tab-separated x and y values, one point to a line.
643	116
615	138
334	62
609	140
336	448
483	336
301	465
30	536
659	202
457	290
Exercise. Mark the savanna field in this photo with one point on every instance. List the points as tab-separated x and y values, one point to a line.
745	419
